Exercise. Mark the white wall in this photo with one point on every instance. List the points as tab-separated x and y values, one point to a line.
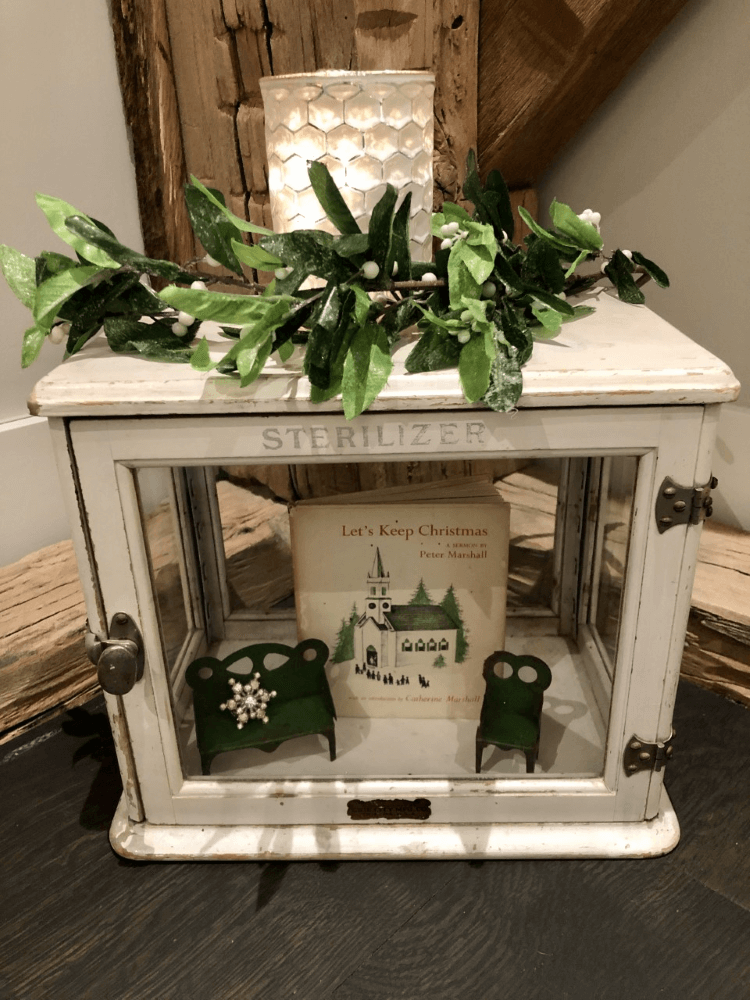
62	133
666	160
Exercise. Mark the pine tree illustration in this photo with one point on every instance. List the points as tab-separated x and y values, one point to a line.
450	606
439	661
420	595
345	639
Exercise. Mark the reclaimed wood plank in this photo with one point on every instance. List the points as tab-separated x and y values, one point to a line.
546	65
146	70
43	662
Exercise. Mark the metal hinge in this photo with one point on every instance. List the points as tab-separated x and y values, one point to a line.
119	657
677	504
642	756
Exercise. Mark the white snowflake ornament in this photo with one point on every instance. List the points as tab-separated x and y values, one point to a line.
248	701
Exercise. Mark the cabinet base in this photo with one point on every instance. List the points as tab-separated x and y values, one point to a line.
395	841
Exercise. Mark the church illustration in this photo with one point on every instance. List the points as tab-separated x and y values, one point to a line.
391	636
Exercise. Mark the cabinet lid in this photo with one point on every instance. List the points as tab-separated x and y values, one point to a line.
621	355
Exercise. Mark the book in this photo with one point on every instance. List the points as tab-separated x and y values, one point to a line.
407	586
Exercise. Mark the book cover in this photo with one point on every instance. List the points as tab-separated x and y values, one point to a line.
409	595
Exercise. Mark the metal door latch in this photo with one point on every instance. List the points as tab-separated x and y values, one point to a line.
642	756
119	658
677	504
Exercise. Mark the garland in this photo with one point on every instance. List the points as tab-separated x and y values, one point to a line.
480	306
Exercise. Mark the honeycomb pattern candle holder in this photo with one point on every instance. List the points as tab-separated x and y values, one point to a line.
369	128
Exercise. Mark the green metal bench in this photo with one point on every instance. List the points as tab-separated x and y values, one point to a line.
302	706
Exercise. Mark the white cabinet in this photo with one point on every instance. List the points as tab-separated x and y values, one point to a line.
601	592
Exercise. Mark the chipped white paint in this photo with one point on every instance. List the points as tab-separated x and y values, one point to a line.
622	355
393	841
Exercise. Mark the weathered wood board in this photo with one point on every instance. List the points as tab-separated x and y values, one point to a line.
544	68
190	80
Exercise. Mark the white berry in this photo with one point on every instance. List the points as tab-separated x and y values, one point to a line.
178	329
185	318
199	286
628	254
210	261
488	289
466	316
449	229
394	271
59	333
371	270
446	244
464	336
429	276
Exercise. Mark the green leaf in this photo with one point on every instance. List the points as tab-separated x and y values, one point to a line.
326	335
82	227
400	252
354	245
492	203
200	359
121	293
433	352
496	192
579	260
362	305
506	381
474	369
285	351
307	251
223	307
651	269
366	369
550	320
583	234
20	273
153	340
507	275
55	291
257	333
460	282
381	230
456	213
563	245
49	263
57	211
254	256
579	312
254	348
552	301
620	272
331	200
32	345
395	320
212	227
241	224
541	266
515	334
478	260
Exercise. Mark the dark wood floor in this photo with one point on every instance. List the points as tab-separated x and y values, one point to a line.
78	922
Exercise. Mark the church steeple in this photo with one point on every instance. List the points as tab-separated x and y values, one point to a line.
378	587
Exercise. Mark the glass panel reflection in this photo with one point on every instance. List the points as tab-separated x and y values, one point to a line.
615	516
161	532
568	548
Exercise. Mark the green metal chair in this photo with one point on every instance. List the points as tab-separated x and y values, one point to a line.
303	704
512	708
